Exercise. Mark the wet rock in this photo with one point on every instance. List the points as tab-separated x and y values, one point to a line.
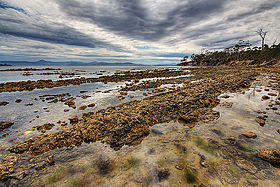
85	96
123	92
71	103
18	100
83	107
225	96
4	103
265	97
270	155
120	98
272	94
74	120
5	125
249	135
260	112
45	127
227	104
261	122
91	105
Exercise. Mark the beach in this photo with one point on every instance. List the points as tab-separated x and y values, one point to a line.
141	126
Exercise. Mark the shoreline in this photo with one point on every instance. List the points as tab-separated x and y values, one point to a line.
130	123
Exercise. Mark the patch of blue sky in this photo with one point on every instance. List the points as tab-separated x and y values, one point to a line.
145	47
6	6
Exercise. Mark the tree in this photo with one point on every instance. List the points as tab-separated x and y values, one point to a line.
262	34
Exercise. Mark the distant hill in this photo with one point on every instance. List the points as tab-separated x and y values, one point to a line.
69	63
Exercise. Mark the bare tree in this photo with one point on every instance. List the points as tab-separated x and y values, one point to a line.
262	34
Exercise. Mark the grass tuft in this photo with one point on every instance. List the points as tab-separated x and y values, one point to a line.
190	176
133	162
57	175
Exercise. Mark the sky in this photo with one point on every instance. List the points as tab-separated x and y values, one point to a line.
138	31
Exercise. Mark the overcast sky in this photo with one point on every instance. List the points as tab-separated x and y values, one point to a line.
139	31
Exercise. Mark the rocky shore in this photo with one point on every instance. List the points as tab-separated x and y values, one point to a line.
129	123
118	77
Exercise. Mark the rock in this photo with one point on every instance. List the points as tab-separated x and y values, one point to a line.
66	110
63	124
85	96
232	140
265	97
261	122
260	112
35	111
71	103
186	81
91	105
225	96
4	103
123	92
18	100
43	128
227	104
276	112
272	94
28	104
270	155
5	135
249	135
203	161
188	119
246	165
83	107
120	98
7	167
266	89
258	90
74	120
179	167
50	160
5	125
278	131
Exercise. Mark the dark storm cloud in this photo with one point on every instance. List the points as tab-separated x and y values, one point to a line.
135	21
51	33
